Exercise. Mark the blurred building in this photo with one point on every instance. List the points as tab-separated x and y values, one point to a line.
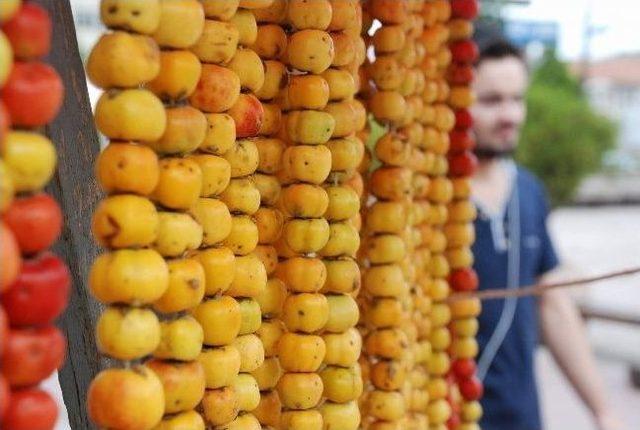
86	15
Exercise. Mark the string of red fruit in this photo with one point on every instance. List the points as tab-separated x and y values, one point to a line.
34	283
466	409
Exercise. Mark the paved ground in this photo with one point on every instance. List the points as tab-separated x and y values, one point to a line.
591	241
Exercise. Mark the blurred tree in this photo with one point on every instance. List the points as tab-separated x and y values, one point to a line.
564	139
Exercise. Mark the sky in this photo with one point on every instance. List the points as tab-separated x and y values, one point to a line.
620	20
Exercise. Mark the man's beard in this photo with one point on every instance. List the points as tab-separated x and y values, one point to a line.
492	153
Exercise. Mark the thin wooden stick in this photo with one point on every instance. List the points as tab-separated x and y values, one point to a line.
538	289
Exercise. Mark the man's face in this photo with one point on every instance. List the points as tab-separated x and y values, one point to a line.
500	110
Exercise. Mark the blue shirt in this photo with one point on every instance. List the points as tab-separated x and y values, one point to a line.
518	238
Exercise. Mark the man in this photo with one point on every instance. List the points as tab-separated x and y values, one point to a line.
513	249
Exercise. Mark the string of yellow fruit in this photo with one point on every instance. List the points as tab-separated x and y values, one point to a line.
235	74
464	347
270	45
389	274
132	275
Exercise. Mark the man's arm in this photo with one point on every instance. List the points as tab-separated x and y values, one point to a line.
564	334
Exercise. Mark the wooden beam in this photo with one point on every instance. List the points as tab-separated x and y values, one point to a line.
74	186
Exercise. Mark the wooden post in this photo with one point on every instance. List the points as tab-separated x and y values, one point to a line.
75	188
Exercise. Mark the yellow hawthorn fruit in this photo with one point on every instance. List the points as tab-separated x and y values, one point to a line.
272	119
106	64
461	97
185	130
300	352
30	160
389	39
268	374
183	384
248	66
250	277
179	183
471	411
134	114
344	49
305	312
243	158
269	333
127	168
137	16
220	319
302	274
344	116
222	10
460	29
307	163
344	203
388	375
440	338
344	240
275	79
221	365
270	154
126	398
245	422
310	419
466	308
241	196
310	51
270	223
439	363
181	23
341	84
309	14
304	200
386	405
125	221
438	388
220	135
186	286
341	384
243	237
300	390
255	4
220	406
386	343
462	211
245	22
387	73
251	316
440	315
464	347
460	258
393	149
385	249
271	300
247	392
218	42
393	183
6	187
181	339
438	412
216	174
178	77
127	333
269	409
386	217
342	349
218	89
343	313
129	276
345	14
177	233
385	312
268	255
190	419
343	276
385	281
467	327
387	106
251	352
344	416
459	234
310	127
306	235
308	92
271	42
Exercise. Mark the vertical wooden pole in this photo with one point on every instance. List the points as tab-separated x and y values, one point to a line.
75	188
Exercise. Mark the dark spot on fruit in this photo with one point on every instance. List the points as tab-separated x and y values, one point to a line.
113	9
135	12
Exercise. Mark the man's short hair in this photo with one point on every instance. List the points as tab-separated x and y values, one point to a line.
498	49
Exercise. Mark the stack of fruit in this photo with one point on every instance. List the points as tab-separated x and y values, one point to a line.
342	378
387	278
464	348
34	283
132	275
270	45
235	275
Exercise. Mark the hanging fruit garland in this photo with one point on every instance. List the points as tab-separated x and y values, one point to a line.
35	283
